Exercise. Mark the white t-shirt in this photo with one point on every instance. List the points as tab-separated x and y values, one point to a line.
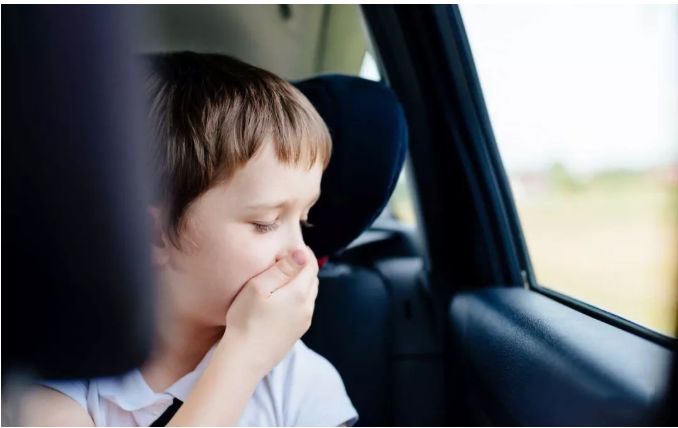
304	389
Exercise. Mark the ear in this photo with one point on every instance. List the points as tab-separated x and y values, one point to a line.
160	244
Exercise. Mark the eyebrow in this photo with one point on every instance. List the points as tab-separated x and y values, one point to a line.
276	205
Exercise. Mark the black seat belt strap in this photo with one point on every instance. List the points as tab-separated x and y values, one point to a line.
168	414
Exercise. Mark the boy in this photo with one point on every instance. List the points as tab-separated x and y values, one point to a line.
238	154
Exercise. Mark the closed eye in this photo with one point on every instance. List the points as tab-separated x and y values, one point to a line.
265	227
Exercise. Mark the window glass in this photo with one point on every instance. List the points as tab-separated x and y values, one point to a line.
583	102
369	69
401	204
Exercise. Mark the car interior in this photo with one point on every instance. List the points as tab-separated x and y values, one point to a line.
442	323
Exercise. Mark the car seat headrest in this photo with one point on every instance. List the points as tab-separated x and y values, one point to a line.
369	138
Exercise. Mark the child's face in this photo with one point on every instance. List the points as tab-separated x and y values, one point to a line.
236	230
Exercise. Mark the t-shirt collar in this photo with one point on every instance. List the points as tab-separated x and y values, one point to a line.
182	388
132	393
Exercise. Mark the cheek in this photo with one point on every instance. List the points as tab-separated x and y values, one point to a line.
226	259
246	255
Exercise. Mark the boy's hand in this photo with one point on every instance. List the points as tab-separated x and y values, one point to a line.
274	309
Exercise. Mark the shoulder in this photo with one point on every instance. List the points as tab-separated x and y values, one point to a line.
76	390
314	391
310	368
63	405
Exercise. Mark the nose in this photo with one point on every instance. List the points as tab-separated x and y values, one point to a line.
292	239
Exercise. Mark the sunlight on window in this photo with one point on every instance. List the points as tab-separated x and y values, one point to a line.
369	69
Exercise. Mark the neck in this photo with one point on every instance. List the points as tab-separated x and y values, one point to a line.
180	343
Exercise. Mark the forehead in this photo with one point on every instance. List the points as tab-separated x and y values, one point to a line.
265	179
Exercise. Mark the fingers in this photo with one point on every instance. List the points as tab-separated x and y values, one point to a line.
314	291
291	264
281	272
312	282
294	275
305	280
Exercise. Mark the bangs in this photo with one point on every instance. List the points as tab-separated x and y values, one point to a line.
281	113
300	135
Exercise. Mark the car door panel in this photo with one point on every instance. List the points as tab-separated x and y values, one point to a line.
535	361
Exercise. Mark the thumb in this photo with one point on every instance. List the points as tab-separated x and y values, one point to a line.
282	271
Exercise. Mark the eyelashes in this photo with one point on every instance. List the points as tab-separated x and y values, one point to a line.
265	227
271	227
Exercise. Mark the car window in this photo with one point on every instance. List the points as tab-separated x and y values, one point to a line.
583	102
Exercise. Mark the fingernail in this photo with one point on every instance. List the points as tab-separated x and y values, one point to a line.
299	257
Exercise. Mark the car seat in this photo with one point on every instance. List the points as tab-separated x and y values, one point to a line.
370	319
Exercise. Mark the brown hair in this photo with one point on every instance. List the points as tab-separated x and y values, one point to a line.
211	114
